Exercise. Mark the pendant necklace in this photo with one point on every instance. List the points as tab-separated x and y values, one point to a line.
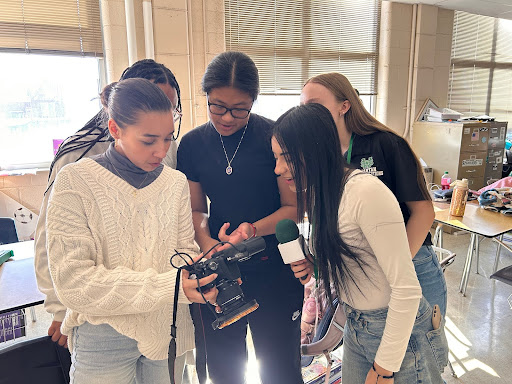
229	168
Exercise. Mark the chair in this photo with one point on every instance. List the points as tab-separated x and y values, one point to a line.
328	336
8	232
505	276
38	360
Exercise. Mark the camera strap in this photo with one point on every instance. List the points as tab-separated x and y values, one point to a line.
172	344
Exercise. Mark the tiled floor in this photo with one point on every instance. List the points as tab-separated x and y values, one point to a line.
479	326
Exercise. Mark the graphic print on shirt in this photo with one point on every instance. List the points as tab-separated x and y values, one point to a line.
367	166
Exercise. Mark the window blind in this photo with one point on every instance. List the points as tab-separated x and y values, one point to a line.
292	40
481	66
57	26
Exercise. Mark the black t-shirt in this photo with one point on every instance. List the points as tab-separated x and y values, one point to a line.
250	193
389	157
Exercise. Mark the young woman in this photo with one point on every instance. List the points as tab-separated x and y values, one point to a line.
91	140
228	160
361	246
113	222
371	146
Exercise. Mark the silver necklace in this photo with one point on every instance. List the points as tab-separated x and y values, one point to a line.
136	189
229	168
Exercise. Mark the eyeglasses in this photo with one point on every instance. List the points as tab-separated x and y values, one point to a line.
220	110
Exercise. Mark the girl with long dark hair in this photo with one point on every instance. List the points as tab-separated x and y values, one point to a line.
360	246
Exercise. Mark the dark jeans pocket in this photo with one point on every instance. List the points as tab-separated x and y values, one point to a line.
439	345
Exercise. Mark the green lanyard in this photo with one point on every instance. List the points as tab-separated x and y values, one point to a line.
349	152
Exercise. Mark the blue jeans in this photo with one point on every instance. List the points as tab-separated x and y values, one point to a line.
425	358
101	355
431	277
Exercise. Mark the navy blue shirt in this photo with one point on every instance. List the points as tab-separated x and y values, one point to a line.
250	193
389	157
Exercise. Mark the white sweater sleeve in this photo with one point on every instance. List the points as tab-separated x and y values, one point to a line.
379	216
186	234
80	284
44	280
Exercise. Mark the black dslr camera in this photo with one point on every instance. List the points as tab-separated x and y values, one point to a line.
225	264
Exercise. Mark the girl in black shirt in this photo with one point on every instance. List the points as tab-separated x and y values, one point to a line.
229	161
370	145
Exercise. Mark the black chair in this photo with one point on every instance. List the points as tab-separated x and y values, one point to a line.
505	276
38	360
8	232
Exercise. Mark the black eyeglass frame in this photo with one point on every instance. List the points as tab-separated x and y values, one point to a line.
230	110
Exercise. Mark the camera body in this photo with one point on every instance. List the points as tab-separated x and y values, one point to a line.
225	264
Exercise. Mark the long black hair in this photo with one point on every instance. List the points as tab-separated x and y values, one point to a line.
309	139
97	126
232	69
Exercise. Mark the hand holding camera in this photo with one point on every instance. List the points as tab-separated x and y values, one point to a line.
190	286
224	266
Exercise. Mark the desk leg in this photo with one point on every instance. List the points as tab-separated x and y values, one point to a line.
438	236
498	250
467	266
477	250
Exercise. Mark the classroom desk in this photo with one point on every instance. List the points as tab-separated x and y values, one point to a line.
18	285
478	222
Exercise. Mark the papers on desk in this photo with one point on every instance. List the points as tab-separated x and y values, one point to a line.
443	115
479	118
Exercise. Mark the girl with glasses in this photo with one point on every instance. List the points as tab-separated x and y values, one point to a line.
228	161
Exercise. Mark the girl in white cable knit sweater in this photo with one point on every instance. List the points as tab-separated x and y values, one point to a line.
113	223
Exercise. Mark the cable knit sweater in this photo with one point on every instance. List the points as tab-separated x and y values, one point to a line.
44	281
109	246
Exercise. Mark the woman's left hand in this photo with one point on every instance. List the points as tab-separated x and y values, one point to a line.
243	232
373	376
190	286
303	270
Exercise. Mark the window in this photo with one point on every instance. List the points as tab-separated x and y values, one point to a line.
290	41
481	66
51	54
49	98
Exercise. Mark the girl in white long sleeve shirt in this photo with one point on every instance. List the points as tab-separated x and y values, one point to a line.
361	246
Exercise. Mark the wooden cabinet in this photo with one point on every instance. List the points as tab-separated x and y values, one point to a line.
470	150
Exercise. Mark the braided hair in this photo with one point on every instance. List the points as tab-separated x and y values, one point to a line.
97	127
